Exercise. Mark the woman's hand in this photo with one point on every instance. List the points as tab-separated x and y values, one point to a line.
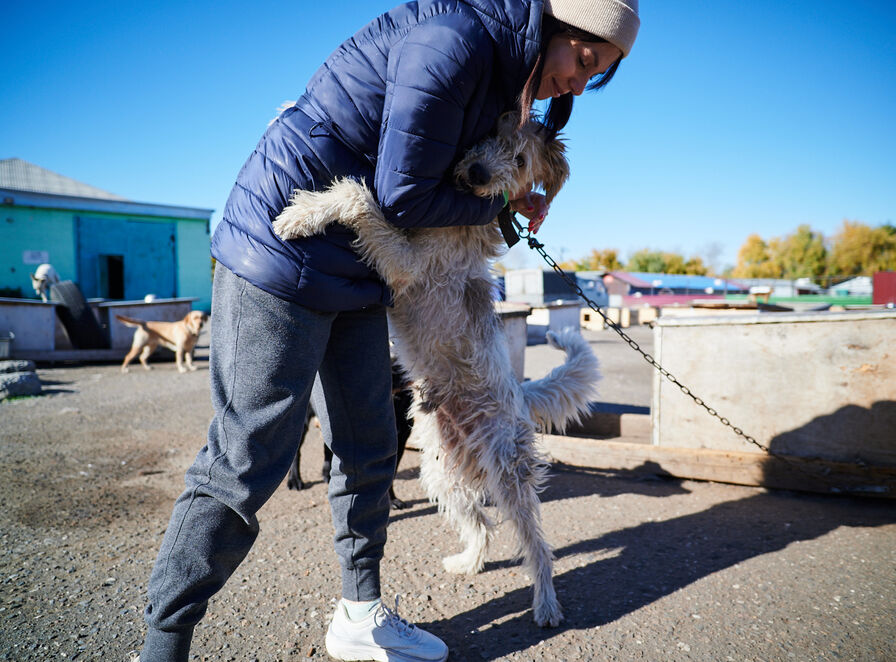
532	205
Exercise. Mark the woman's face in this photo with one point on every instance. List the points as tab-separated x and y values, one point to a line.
570	64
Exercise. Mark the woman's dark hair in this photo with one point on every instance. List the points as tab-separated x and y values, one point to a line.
559	109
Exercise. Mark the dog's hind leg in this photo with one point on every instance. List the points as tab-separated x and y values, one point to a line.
539	559
466	512
294	478
462	506
130	356
516	497
144	355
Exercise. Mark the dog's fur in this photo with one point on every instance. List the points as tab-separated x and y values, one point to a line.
474	421
402	399
179	336
44	276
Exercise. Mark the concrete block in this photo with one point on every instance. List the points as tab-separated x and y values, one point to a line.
588	319
513	316
32	322
815	384
647	314
622	317
608	420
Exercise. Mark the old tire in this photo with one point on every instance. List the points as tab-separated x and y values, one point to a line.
77	318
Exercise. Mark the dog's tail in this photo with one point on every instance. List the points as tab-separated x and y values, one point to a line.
130	321
564	395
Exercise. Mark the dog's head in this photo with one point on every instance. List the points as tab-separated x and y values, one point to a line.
515	159
39	283
194	321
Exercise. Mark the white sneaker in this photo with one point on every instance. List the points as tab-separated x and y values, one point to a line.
383	636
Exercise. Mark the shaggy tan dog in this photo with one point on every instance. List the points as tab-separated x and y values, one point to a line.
179	336
474	421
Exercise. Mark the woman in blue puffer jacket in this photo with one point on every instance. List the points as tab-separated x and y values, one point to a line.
397	104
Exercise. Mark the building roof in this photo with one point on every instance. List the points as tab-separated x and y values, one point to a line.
20	175
678	281
28	185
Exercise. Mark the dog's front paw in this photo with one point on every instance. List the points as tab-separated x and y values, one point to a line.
301	218
288	229
548	614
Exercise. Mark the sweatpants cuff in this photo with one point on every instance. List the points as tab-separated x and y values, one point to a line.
361	584
163	646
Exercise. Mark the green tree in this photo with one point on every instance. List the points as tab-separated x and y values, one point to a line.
802	254
647	261
665	262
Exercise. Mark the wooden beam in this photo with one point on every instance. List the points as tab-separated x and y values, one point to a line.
757	469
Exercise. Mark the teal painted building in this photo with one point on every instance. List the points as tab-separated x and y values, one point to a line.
112	247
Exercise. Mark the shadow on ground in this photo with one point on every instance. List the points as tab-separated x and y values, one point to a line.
653	560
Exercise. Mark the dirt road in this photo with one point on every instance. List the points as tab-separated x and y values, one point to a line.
647	569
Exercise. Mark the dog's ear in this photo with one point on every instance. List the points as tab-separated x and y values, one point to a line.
556	168
508	123
194	320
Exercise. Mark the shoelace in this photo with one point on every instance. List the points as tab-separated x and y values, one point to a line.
393	620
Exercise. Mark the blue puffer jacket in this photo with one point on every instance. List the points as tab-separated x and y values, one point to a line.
397	104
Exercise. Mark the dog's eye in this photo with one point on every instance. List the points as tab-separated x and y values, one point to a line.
520	161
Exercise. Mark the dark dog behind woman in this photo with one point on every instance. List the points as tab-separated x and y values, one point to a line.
397	104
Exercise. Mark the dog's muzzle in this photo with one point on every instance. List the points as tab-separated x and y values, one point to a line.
479	174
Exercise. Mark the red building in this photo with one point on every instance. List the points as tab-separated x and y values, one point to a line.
884	288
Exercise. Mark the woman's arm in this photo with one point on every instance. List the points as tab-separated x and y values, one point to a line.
432	77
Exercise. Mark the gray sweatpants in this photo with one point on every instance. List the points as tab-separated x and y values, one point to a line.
264	355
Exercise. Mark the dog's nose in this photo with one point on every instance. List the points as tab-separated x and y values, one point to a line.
479	174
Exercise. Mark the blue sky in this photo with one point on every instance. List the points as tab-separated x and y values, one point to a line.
729	118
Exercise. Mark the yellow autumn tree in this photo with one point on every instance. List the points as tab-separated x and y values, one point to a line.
754	260
859	249
598	260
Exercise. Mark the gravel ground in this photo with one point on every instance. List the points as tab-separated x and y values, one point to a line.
647	569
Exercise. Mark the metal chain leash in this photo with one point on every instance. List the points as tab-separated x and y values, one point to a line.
538	247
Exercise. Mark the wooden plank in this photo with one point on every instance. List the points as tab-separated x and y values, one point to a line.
740	468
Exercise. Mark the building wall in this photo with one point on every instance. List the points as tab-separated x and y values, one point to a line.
55	233
194	263
27	229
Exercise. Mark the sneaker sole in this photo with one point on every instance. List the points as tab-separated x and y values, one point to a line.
349	654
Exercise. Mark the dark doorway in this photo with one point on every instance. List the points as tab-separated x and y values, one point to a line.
111	276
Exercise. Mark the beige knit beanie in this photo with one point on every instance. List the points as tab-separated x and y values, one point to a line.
614	20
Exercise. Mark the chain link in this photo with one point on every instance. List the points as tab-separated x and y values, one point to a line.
538	247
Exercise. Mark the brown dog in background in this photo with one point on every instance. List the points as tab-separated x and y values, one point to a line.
180	337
